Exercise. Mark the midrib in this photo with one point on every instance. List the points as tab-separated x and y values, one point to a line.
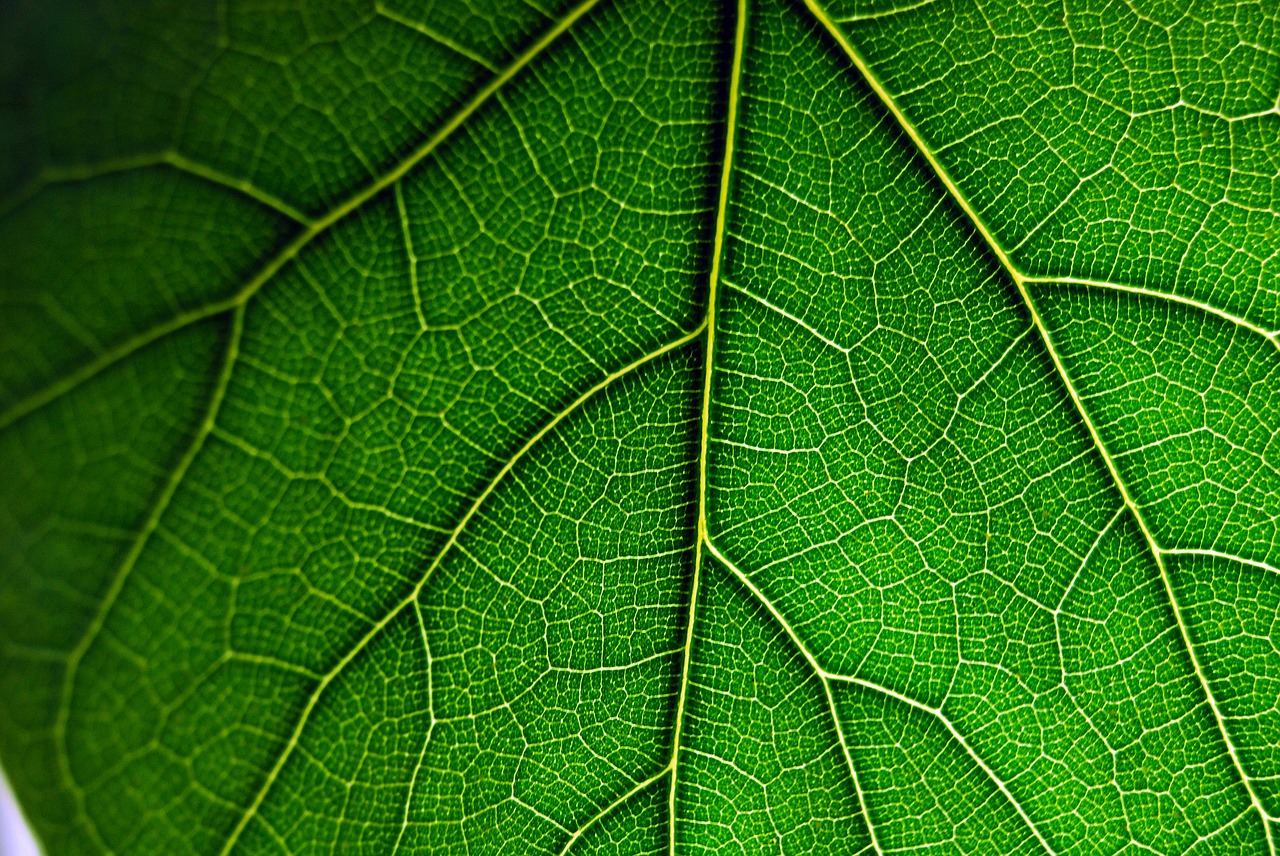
713	287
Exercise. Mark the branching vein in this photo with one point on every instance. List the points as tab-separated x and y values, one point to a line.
1021	281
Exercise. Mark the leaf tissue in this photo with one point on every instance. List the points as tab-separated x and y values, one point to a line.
641	426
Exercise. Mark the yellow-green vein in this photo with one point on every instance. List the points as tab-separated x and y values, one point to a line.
140	541
290	250
709	321
822	674
1021	281
406	602
129	163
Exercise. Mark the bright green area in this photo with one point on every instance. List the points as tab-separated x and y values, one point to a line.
636	427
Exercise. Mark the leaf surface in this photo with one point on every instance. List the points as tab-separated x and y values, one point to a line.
634	427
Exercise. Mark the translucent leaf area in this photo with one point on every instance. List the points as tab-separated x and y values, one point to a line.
641	426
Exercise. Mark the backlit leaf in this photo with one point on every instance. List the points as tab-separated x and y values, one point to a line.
636	427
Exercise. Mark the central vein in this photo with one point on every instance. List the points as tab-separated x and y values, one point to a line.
713	284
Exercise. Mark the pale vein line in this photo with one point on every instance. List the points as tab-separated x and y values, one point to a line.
411	253
959	738
1218	554
1272	336
713	284
1156	551
826	677
1021	282
822	675
1097	542
127	565
130	163
426	741
885	13
813	331
409	599
986	375
111	356
318	227
433	34
604	812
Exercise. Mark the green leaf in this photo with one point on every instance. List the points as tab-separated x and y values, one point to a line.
628	426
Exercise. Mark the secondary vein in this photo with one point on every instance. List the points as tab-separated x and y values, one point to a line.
410	599
143	536
822	674
1021	281
317	227
166	157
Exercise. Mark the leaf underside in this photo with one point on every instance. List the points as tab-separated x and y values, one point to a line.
641	427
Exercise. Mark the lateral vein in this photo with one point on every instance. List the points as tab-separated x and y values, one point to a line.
168	157
823	675
607	810
316	228
149	527
827	677
1272	336
1021	282
407	602
434	35
964	744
